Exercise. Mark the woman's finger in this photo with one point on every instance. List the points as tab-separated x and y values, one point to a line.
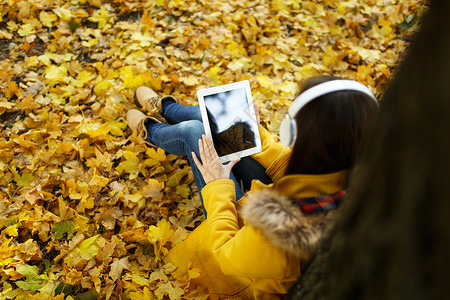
209	148
197	162
201	150
232	163
256	106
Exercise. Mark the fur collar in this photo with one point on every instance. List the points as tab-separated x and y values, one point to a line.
284	224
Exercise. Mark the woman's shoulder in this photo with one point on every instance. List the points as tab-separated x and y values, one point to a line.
284	224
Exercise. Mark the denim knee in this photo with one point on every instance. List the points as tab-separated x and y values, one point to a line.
193	128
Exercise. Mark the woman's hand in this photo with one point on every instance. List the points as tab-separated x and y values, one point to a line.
256	106
211	167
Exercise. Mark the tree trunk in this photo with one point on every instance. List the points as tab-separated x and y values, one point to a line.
393	241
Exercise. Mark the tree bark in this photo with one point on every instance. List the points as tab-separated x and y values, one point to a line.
393	241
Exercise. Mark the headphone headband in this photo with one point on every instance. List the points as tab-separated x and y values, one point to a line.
288	127
327	88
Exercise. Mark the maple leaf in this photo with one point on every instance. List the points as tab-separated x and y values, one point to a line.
117	266
24	179
146	294
26	30
159	235
33	280
63	229
98	181
47	19
107	217
130	164
12	230
153	189
100	16
174	292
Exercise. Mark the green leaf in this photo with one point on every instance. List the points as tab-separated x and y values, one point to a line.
47	264
73	25
32	283
64	288
63	227
24	179
85	296
407	23
27	270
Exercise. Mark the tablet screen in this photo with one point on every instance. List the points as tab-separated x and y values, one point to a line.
230	121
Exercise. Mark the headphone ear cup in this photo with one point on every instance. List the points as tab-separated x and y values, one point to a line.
288	129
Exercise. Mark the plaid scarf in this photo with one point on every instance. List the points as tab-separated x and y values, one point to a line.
320	204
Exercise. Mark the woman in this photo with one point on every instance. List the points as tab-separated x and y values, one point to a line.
256	247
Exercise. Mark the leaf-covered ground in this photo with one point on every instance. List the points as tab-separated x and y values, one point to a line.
86	208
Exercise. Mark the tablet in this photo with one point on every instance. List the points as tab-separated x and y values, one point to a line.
229	119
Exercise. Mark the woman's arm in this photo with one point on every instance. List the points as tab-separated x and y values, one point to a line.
274	156
240	251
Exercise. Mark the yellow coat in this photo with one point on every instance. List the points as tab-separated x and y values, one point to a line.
255	248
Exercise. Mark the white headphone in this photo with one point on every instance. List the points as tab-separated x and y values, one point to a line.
288	127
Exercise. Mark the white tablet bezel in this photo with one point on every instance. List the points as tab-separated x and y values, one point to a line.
202	93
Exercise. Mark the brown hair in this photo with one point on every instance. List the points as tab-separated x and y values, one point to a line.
330	130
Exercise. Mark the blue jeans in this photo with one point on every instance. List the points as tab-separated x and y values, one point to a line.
180	137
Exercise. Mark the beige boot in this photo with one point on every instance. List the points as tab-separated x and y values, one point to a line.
146	99
136	121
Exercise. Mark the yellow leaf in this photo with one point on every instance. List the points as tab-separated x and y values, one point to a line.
47	19
369	55
289	87
99	181
90	43
183	190
135	198
242	63
63	13
96	278
11	230
100	16
78	190
191	80
101	87
136	278
156	156
116	127
130	164
25	143
264	81
153	189
56	74
213	74
131	81
87	248
117	266
174	292
26	30
82	77
11	90
73	276
160	233
175	178
91	128
146	294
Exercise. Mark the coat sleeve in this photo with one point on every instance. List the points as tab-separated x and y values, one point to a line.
240	251
274	156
